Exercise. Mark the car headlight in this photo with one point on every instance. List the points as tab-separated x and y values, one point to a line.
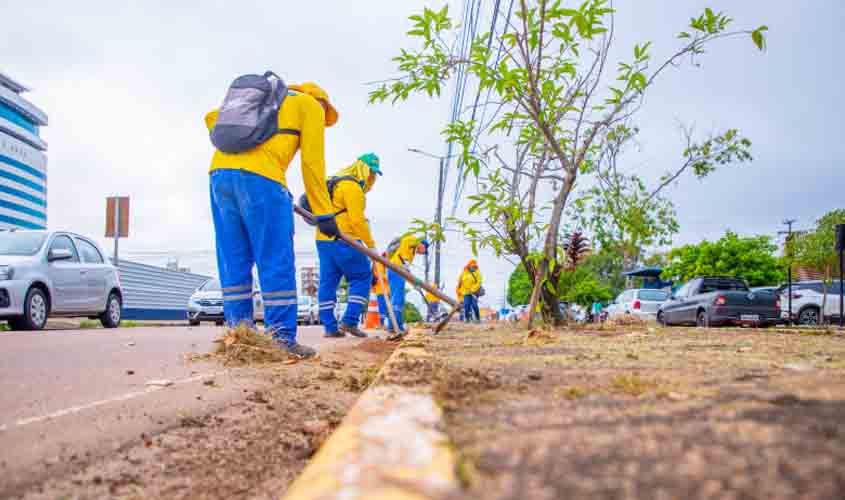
6	273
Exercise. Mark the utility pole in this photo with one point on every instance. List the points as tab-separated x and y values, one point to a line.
788	223
438	211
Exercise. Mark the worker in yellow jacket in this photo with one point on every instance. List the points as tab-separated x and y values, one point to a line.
402	252
348	189
471	289
382	291
433	302
460	296
257	131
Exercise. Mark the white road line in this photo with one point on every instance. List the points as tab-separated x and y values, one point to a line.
88	406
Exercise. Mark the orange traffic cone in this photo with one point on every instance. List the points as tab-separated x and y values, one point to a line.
373	320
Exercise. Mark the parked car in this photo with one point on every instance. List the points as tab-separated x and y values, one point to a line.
641	302
807	298
206	304
712	301
46	274
306	313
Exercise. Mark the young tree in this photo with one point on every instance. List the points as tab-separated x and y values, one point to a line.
576	247
752	259
558	110
519	287
817	249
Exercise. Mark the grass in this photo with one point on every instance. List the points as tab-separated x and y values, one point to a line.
632	384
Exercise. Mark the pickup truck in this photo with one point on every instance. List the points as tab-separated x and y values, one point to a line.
706	302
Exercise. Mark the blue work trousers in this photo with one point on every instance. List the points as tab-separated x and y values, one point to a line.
384	316
471	308
337	260
253	226
396	283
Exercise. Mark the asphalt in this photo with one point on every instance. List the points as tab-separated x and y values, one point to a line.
69	397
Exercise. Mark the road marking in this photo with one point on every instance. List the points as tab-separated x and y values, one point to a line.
124	397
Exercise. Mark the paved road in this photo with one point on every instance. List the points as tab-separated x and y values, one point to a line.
68	396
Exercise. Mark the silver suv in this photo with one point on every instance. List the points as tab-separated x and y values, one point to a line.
47	274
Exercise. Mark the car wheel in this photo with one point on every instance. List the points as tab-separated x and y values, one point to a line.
219	323
661	319
193	322
36	310
703	320
114	311
808	316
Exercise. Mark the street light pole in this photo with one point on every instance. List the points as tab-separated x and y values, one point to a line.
438	219
438	211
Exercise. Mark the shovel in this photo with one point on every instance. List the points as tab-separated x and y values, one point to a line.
401	271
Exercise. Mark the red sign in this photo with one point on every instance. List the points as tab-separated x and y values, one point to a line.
117	215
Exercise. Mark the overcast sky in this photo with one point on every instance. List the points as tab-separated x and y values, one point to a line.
126	85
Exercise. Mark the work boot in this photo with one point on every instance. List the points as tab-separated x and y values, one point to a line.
334	335
353	330
298	350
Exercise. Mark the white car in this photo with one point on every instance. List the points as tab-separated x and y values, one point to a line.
46	274
641	302
807	298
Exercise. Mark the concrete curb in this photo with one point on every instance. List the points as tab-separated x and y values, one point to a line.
388	446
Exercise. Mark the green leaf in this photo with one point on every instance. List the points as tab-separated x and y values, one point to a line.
758	38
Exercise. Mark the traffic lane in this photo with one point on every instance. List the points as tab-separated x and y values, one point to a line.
40	445
46	372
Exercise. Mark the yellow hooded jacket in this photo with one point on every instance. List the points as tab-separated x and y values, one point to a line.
351	196
302	112
404	256
470	282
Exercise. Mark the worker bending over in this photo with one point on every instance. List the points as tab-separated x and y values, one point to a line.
471	289
406	249
382	291
433	302
348	190
257	131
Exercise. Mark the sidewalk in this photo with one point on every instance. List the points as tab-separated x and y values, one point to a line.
643	413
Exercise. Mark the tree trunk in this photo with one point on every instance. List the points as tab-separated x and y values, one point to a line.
535	293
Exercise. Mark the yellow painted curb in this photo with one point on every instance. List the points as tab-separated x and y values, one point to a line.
389	446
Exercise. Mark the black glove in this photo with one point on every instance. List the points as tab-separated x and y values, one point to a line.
328	226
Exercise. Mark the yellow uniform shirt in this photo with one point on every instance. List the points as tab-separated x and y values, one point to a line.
349	194
470	282
272	158
404	256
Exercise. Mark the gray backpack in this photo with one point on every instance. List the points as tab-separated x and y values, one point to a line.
249	115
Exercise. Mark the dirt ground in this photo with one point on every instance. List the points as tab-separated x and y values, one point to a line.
252	449
644	413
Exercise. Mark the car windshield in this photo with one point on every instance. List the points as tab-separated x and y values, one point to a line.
723	285
211	286
20	243
654	295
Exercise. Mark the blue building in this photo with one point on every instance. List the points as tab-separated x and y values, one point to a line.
23	159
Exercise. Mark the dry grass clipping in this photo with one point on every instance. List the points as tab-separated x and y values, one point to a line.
246	346
540	337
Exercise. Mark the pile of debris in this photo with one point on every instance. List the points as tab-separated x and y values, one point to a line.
246	346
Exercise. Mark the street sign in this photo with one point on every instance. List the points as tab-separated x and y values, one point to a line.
117	216
117	221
